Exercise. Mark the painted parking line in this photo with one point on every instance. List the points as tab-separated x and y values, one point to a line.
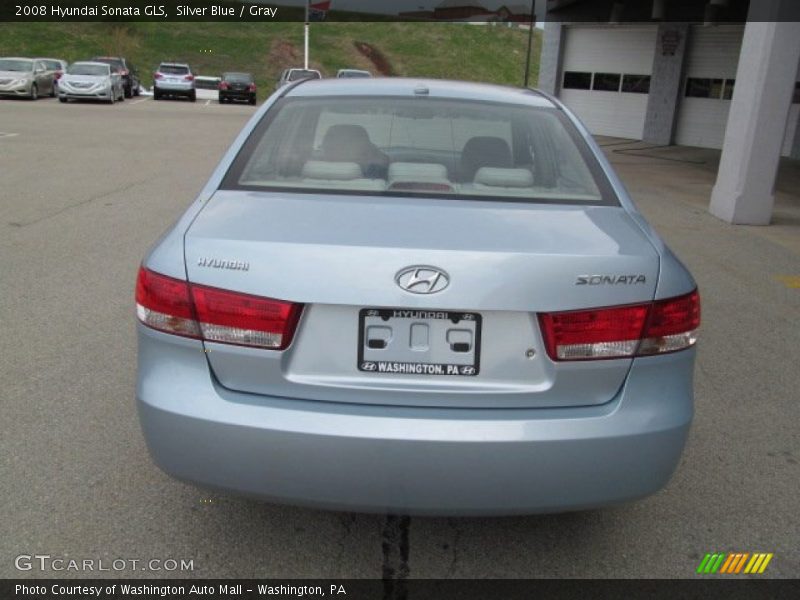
790	281
138	101
7	134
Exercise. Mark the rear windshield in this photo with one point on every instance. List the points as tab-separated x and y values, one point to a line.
84	69
420	146
301	74
346	74
14	64
173	70
109	61
238	77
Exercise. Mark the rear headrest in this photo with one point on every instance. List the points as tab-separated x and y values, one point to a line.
484	151
345	141
504	177
322	169
406	171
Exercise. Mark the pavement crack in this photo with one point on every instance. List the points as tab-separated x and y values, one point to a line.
88	200
346	520
451	571
396	548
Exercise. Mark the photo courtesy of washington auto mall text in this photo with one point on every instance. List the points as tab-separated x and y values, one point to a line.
178	590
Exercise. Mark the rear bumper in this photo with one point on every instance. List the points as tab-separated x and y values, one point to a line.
238	95
174	88
412	460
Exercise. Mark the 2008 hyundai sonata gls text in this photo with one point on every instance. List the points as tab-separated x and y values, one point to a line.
420	297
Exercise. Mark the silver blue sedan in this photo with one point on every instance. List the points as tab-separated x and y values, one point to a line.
414	296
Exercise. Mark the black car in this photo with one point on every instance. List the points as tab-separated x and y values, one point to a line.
130	76
237	86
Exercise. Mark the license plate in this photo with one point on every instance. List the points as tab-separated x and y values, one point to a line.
419	342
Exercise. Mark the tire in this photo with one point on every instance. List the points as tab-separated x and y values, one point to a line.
127	92
156	95
63	100
53	90
252	101
136	90
193	96
34	92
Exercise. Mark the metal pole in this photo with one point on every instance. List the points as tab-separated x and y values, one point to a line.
305	41
530	43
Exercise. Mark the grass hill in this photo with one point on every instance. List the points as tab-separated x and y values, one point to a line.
441	50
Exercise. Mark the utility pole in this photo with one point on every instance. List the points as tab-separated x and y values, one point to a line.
530	42
305	41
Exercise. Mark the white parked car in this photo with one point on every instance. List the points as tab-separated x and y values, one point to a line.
91	81
290	75
352	74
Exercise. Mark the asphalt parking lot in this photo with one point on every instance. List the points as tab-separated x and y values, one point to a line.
85	189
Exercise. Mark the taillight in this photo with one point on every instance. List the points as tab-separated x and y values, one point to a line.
59	74
252	87
189	77
223	85
123	72
215	315
165	304
622	331
235	318
157	76
672	325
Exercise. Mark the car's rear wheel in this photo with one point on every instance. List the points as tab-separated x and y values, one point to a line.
136	90
252	101
128	91
64	100
193	96
156	95
53	90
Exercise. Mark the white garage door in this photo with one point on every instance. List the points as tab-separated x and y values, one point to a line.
793	121
709	79
606	77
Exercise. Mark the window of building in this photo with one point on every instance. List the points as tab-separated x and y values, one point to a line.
727	93
606	82
697	87
575	80
636	84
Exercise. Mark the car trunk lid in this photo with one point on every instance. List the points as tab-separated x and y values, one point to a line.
340	256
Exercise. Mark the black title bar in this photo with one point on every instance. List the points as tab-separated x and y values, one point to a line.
498	11
704	587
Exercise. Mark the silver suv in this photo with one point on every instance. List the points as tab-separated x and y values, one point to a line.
174	79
